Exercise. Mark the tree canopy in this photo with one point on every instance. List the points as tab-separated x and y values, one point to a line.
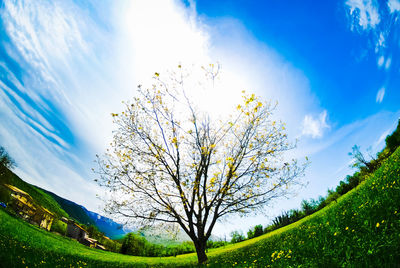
6	162
171	162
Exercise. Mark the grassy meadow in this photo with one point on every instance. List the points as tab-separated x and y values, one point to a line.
361	229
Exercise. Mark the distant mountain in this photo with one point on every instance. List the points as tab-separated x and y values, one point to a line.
75	211
108	226
79	213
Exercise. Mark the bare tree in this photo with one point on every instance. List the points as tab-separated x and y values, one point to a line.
361	162
171	163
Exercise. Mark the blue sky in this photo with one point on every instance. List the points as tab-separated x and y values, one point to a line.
333	66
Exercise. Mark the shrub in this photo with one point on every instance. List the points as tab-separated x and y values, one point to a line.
137	245
216	244
59	227
255	231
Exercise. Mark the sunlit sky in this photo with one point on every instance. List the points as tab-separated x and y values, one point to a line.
333	67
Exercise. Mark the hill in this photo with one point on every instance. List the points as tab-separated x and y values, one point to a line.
61	207
362	228
75	211
39	195
106	225
87	217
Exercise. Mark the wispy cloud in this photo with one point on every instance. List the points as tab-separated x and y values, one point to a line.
379	21
380	95
394	5
364	14
43	70
315	126
388	63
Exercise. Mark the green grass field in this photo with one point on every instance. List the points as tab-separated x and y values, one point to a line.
361	229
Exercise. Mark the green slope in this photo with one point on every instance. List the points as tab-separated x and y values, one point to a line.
25	245
361	229
74	210
58	205
41	197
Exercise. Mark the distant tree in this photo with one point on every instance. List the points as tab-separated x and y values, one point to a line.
171	163
94	232
6	162
361	161
133	244
255	231
216	244
309	206
331	196
282	220
237	236
393	140
250	233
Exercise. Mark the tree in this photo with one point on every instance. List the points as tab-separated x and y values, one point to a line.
393	140
133	245
237	236
255	231
172	163
6	162
361	162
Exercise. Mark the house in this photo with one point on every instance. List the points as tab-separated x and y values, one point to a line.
75	231
21	202
24	205
98	246
90	242
43	218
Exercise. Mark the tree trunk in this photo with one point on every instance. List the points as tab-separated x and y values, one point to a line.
201	251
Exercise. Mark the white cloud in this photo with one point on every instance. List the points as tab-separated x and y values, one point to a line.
394	5
371	16
315	127
381	43
388	63
365	14
381	61
380	95
382	138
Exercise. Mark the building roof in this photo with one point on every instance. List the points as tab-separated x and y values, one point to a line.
91	240
15	189
73	223
31	206
100	247
45	210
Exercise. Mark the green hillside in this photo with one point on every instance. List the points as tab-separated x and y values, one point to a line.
361	229
74	210
61	207
40	196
